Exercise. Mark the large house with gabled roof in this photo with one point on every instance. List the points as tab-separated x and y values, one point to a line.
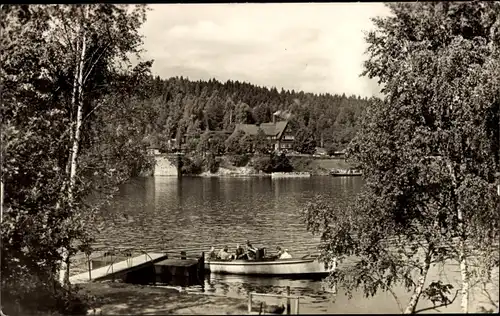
279	133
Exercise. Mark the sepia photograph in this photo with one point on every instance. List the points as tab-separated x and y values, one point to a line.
250	158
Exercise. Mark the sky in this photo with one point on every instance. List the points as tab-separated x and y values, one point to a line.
313	47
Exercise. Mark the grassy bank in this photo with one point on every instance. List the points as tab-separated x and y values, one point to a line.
127	299
318	166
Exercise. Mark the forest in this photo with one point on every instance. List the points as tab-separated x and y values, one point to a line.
77	118
179	108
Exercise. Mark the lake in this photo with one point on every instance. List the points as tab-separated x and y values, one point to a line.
165	214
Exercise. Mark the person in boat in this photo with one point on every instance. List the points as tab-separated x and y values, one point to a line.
211	253
279	251
283	254
240	252
251	251
224	255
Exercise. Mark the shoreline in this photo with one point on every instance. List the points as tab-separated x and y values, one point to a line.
316	166
215	175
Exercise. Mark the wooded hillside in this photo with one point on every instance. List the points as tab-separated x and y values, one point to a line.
184	107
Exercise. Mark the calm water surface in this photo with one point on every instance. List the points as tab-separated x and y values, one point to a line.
164	214
192	214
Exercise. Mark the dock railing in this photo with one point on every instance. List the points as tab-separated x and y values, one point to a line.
287	296
116	255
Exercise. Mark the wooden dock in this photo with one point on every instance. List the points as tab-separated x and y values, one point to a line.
148	268
118	269
181	272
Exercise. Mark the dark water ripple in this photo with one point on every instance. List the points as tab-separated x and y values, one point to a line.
192	214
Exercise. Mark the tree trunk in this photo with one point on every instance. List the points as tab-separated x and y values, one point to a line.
464	304
412	304
64	269
75	146
73	103
1	220
462	257
79	116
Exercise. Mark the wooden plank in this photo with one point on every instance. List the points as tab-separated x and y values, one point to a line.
177	262
288	300
118	267
275	295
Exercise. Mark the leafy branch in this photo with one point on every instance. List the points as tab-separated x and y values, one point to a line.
444	304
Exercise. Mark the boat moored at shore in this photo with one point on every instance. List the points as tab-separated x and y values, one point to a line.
346	172
280	267
276	175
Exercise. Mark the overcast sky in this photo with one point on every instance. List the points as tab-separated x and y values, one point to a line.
314	47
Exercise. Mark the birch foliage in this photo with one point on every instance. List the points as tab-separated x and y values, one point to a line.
65	72
429	151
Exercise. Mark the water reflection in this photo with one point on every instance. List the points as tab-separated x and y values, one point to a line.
170	213
316	298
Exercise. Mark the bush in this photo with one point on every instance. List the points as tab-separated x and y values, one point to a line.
301	164
272	163
281	163
239	160
212	163
263	163
32	296
330	150
304	142
191	166
233	143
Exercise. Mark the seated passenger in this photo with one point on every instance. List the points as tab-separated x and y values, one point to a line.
250	247
282	254
224	254
239	251
211	254
279	251
251	251
285	255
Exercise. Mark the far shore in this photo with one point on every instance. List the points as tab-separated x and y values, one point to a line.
315	165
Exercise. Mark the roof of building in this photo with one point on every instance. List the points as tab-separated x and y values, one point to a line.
269	129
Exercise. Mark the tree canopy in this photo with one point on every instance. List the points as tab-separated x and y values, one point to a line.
184	107
429	151
71	130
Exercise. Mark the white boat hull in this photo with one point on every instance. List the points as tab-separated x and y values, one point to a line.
288	267
278	175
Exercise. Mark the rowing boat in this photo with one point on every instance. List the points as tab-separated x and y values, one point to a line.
346	173
279	267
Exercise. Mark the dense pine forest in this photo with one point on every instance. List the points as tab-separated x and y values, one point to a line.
180	107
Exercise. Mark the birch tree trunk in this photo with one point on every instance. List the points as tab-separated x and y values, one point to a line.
64	264
464	271
79	116
412	304
76	142
462	257
73	103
